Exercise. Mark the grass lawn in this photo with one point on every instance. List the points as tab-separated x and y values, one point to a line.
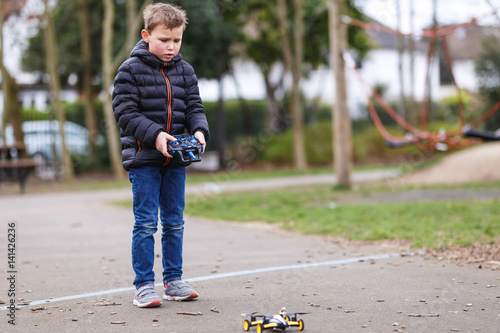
314	210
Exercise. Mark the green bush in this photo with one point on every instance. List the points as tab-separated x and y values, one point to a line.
368	146
250	142
237	125
32	114
278	148
449	108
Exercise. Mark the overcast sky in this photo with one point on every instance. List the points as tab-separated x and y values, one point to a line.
448	12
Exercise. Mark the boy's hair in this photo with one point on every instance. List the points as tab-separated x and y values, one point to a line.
166	14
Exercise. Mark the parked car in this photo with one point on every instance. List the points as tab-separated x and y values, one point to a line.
42	140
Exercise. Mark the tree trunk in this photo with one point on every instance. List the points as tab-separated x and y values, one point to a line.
88	93
401	46
341	119
55	87
110	65
293	63
108	70
298	120
3	70
221	126
273	121
134	22
413	106
430	107
11	107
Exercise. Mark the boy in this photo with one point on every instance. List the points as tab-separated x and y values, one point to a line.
155	97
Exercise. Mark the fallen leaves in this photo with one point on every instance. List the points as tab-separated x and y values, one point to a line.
106	303
486	254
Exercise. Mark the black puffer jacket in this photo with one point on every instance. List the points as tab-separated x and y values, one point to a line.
151	96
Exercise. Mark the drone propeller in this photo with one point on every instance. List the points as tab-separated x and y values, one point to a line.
296	313
249	314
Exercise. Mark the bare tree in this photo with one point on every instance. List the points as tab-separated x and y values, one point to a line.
108	71
294	57
341	119
401	49
55	88
88	98
11	106
274	119
110	64
412	105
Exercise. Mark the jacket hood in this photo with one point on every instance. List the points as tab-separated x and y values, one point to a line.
141	51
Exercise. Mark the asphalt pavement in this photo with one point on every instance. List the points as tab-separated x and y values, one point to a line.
71	272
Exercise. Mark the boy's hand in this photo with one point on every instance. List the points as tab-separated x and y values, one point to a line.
161	143
201	137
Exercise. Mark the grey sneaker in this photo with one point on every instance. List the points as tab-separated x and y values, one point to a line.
178	291
146	297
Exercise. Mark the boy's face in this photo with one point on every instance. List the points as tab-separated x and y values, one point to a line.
163	42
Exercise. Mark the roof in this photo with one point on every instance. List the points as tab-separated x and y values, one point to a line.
12	7
390	41
466	43
463	43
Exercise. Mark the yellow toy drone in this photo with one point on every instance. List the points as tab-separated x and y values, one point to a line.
282	321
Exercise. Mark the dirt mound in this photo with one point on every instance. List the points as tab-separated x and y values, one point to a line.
476	164
487	255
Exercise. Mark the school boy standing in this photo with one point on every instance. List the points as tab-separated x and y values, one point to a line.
155	97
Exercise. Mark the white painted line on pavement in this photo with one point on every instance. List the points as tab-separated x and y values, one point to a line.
221	276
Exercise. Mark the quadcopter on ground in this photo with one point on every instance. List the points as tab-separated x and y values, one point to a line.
282	320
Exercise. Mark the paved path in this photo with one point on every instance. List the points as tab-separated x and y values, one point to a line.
73	263
223	182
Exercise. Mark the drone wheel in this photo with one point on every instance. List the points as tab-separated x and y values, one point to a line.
260	328
301	324
246	325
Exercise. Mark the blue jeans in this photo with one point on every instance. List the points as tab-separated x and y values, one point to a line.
153	188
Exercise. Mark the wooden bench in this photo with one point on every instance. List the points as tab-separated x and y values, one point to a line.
14	165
